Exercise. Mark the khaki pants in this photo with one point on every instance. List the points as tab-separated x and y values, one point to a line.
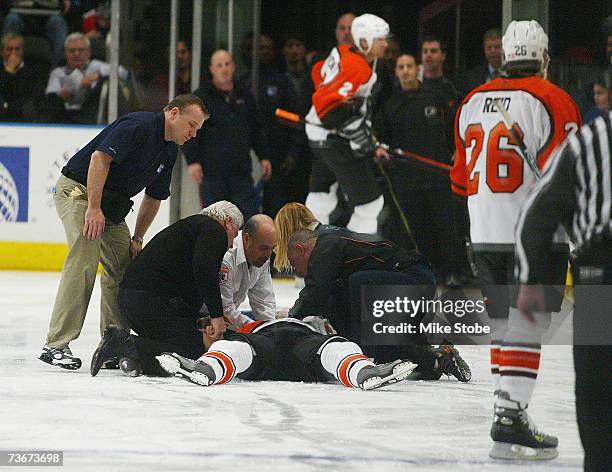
111	249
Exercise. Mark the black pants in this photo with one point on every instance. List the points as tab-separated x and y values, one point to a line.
162	324
335	161
592	361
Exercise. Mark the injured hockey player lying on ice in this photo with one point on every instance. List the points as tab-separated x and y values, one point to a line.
284	350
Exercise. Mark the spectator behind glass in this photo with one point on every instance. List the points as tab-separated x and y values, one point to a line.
21	85
54	26
343	29
73	90
602	96
219	158
491	69
156	93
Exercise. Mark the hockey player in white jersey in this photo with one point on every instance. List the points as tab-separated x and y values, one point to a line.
492	171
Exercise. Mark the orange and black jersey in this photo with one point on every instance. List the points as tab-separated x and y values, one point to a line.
344	77
336	256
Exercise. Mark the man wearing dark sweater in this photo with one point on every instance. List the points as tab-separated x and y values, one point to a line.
173	282
219	158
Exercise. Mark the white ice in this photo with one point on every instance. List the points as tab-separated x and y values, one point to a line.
112	422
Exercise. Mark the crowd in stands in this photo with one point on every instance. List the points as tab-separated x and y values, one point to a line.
59	78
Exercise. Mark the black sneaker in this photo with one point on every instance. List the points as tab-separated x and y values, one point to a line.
376	376
116	342
61	357
197	372
516	437
449	362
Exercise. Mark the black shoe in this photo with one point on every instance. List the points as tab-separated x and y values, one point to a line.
111	364
61	357
115	342
197	372
449	362
130	366
516	437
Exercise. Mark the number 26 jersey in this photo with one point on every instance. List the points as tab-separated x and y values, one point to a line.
489	168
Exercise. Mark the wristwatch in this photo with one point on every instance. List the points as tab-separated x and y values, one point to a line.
137	239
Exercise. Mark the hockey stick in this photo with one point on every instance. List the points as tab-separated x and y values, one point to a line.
294	119
517	136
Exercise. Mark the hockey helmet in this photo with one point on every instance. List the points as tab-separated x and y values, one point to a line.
368	27
525	46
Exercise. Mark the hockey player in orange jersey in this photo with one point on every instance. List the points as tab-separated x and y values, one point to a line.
285	349
492	171
340	103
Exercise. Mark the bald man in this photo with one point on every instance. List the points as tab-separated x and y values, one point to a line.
219	159
245	271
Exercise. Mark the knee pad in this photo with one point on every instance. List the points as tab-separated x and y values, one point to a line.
365	216
322	203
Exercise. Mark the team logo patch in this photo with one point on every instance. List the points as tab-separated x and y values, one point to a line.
14	183
430	111
223	273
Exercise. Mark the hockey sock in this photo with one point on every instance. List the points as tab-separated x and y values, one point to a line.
365	217
228	358
519	359
500	327
344	360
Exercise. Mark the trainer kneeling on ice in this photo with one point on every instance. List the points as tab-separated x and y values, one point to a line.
172	283
286	349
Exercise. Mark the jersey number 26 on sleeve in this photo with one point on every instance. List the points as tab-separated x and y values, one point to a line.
504	164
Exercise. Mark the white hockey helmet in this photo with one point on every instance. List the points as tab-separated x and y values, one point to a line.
525	46
368	27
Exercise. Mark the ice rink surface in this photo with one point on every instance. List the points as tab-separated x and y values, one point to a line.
113	422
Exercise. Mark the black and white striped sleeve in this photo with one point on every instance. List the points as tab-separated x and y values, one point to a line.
550	204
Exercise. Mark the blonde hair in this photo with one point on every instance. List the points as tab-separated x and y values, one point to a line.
290	218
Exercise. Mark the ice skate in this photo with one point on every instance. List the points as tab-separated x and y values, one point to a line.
516	437
197	372
449	362
377	376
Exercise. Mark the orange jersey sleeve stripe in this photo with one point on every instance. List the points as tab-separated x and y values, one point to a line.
250	327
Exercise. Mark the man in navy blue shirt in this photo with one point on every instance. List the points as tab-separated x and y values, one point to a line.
92	198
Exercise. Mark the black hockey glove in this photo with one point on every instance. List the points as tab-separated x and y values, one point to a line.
361	139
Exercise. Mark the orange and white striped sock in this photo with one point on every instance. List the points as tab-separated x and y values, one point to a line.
518	368
227	359
344	360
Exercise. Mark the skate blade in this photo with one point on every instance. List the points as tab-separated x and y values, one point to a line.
508	451
400	372
173	366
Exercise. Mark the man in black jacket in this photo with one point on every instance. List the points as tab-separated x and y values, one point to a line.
336	266
172	283
412	119
219	158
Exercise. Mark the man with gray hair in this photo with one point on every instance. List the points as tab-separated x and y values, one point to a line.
72	89
173	282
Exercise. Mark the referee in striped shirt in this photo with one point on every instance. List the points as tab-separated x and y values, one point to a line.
576	192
